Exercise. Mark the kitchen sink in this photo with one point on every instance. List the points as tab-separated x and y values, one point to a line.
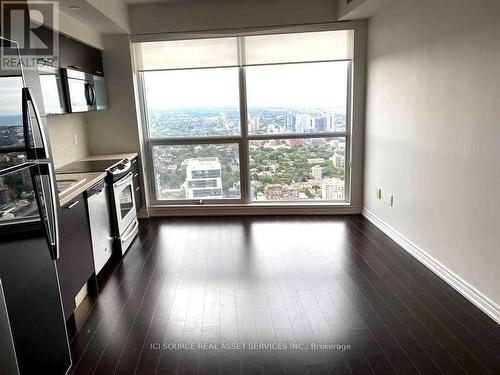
63	186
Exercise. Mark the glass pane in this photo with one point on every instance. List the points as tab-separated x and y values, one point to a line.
126	203
298	47
210	171
101	96
52	90
181	54
11	118
17	198
298	169
78	100
12	159
187	103
297	98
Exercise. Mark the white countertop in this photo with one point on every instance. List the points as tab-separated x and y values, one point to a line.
90	179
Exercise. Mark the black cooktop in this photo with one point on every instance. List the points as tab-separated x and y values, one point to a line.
88	166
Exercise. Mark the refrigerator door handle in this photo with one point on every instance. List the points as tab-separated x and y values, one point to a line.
48	207
29	102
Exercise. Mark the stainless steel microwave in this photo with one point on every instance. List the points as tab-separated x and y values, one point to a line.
85	91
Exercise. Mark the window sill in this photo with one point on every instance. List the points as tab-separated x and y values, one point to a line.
294	208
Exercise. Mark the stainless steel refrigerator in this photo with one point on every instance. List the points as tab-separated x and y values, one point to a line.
29	228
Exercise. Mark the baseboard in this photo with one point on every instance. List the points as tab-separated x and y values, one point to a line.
143	213
484	303
232	210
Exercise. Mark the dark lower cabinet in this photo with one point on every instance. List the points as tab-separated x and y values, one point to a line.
76	264
8	360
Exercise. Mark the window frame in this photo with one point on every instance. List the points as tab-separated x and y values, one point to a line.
243	140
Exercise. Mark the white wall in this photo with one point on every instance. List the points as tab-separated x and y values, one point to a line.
360	9
70	26
115	130
115	10
62	129
433	131
199	15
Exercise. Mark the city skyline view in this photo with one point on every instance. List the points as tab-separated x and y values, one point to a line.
300	99
280	169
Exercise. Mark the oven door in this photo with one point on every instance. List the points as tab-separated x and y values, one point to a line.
123	191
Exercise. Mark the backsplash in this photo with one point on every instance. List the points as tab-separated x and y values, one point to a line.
62	131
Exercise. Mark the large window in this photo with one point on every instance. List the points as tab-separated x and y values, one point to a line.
192	103
257	119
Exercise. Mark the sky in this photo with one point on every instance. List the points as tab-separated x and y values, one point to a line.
11	91
318	85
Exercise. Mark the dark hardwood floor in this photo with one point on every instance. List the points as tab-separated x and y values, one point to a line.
277	280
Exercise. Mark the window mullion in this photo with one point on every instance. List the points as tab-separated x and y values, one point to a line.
245	188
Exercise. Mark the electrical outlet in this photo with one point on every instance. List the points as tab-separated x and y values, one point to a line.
75	139
390	200
378	193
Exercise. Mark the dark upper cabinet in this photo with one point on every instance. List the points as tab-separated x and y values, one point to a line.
75	265
74	82
78	56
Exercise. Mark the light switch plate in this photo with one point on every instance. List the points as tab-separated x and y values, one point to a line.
390	199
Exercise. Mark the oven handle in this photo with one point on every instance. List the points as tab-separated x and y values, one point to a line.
132	232
125	180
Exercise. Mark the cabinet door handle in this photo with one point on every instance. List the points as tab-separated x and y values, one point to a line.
72	205
135	175
137	188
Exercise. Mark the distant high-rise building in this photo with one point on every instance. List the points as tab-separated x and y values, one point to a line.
305	123
339	122
322	124
330	122
296	142
290	122
281	192
315	161
203	178
272	128
254	124
317	172
234	192
339	161
333	189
